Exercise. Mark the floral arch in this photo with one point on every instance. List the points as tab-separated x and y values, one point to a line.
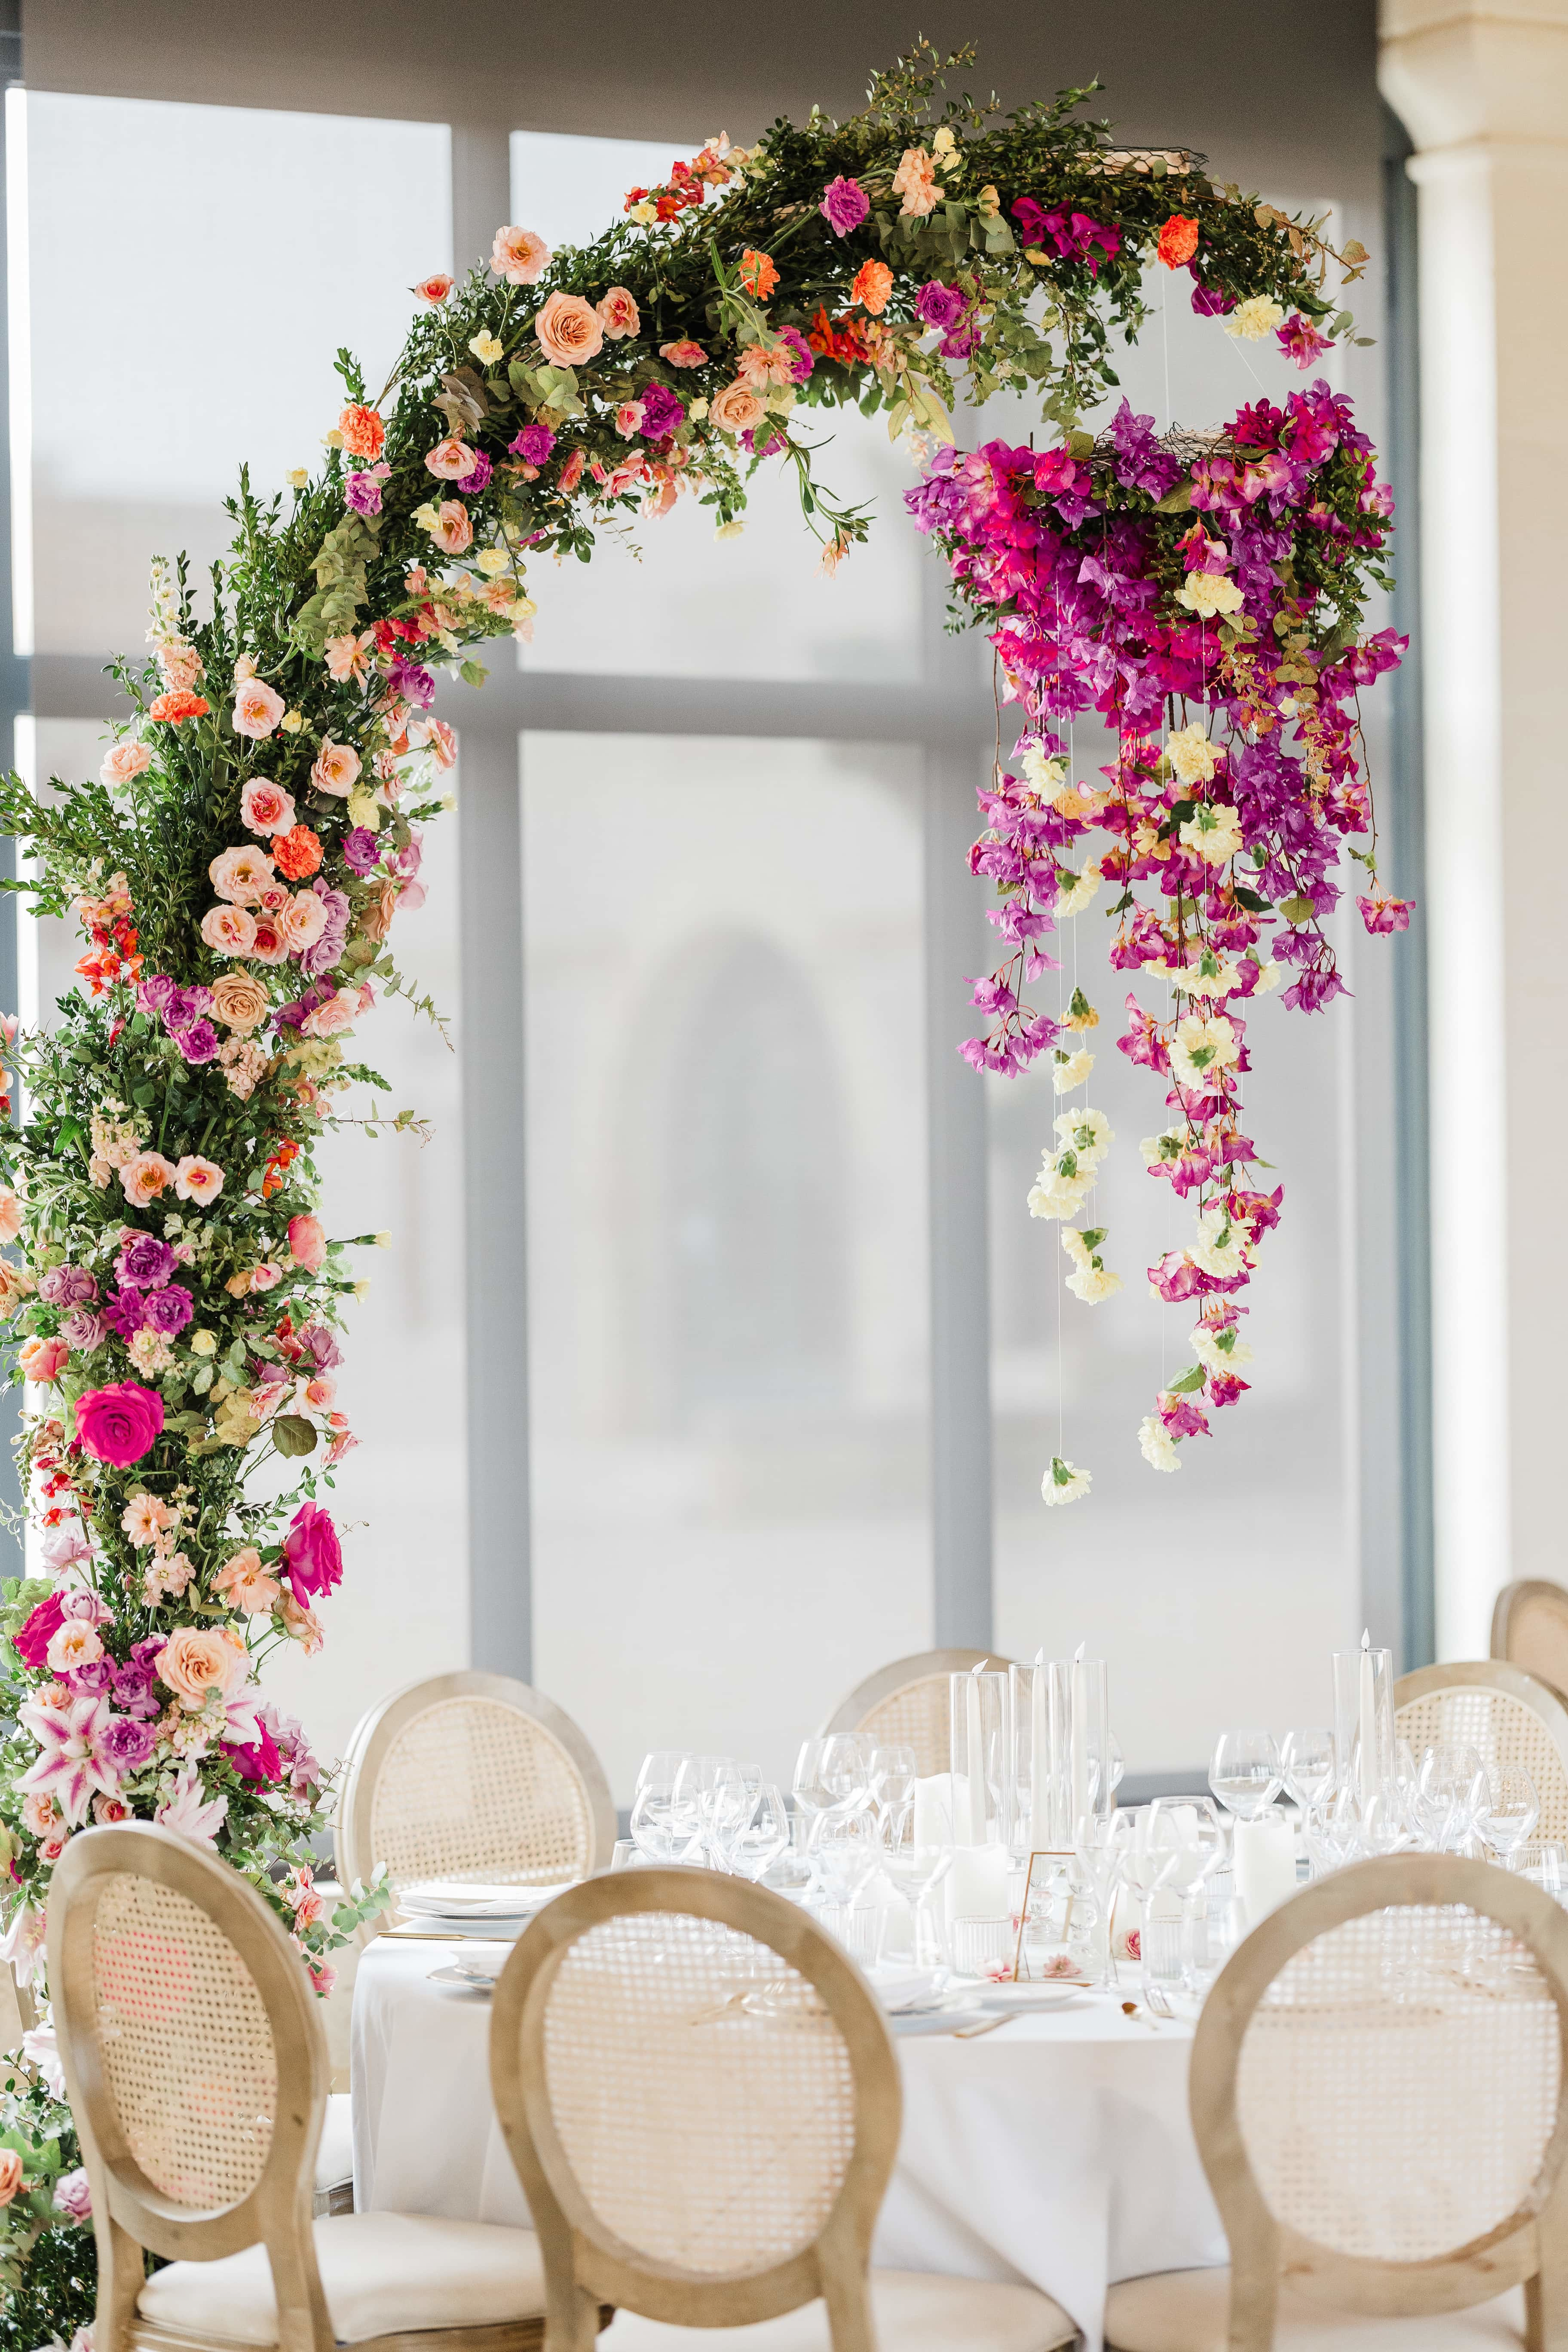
175	1301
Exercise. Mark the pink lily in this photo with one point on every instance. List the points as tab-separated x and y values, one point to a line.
71	1763
183	1811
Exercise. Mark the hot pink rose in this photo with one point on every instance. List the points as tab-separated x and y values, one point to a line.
307	1242
118	1425
32	1638
312	1554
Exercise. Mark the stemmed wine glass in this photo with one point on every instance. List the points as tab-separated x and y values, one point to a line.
915	1871
1508	1810
1193	1829
1450	1790
1307	1762
666	1824
1245	1773
890	1775
752	1843
1145	1865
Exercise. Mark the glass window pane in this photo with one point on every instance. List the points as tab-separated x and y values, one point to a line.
727	1220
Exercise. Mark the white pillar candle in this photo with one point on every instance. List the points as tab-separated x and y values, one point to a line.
1264	1862
1080	1738
977	1883
1369	1772
1039	1760
934	1810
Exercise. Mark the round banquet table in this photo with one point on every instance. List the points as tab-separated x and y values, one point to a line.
1056	2150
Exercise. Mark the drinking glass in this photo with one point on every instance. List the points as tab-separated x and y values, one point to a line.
1545	1862
1195	1833
1245	1772
891	1776
752	1843
847	1850
915	1871
1450	1793
660	1764
665	1825
1307	1762
1145	1866
721	1789
1509	1810
1094	1854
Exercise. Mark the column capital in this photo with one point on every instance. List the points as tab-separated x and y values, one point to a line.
1461	72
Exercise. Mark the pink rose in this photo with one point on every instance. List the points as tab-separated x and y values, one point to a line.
11	1207
618	313
684	353
520	255
44	1360
265	808
451	530
451	459
242	874
118	1425
144	1176
10	2174
196	1660
230	930
73	2193
302	921
570	331
336	769
307	1242
437	738
32	1638
312	1554
198	1180
256	708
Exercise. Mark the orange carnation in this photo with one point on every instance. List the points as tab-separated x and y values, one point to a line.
296	853
758	275
178	705
873	284
364	434
1178	241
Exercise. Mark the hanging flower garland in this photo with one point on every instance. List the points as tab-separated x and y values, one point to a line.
175	1299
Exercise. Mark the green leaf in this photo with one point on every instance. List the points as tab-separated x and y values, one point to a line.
293	1435
1189	1381
1175	501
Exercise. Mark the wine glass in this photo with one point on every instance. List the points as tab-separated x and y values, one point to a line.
1094	1854
751	1843
1145	1865
1509	1810
660	1764
1195	1833
715	1789
1245	1772
891	1776
848	1850
666	1824
915	1870
1450	1793
1307	1762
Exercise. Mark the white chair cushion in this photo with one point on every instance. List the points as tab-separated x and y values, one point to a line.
915	2311
335	2155
382	2273
1186	2311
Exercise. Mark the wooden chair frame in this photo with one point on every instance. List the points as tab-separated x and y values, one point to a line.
129	2212
1510	1600
1530	2246
587	2266
924	1665
376	1731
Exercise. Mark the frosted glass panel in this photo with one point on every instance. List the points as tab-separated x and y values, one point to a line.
727	1220
215	258
685	605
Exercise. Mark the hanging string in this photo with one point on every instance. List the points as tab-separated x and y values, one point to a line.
1165	338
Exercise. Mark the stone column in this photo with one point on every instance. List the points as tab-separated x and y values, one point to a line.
1484	97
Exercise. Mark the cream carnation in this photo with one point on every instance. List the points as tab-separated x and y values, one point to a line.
1085	1133
1064	1482
1054	1194
1252	320
1069	1070
1203	1042
1159	1447
1208	592
1191	755
1213	831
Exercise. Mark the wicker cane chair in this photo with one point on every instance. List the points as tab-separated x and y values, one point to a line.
472	1776
1380	2098
1530	1629
703	2104
196	2066
1505	1715
906	1704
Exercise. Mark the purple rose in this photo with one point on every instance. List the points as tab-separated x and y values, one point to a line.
533	444
92	1678
169	1310
198	1043
939	306
145	1263
312	1555
479	476
68	1285
662	413
126	1312
127	1744
73	2195
185	1005
360	850
83	1329
153	995
411	681
133	1683
324	955
321	1346
363	493
844	206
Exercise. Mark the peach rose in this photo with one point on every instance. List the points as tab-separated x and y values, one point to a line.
915	180
451	459
267	944
308	1243
40	1814
144	1177
230	930
618	313
450	527
376	919
240	1001
10	2168
434	288
327	1020
336	768
241	874
125	761
194	1661
10	1216
198	1180
301	922
569	330
519	257
318	1393
247	1585
75	1644
256	708
265	808
684	353
42	1359
736	409
107	1810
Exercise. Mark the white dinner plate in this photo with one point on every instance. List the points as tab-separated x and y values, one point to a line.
933	2020
1056	1994
453	1899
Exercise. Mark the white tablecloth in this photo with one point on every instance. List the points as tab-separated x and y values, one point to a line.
1056	2150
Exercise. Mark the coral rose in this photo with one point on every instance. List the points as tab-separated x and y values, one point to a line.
118	1425
10	2174
298	852
173	707
126	760
449	526
198	1180
569	330
684	353
434	288
736	409
364	434
268	943
144	1176
42	1359
618	313
451	459
520	255
336	769
10	1216
311	1553
873	284
1178	241
256	708
307	1242
266	807
196	1660
241	874
230	930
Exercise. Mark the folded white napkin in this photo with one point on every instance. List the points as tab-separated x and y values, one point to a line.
904	1992
439	1898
